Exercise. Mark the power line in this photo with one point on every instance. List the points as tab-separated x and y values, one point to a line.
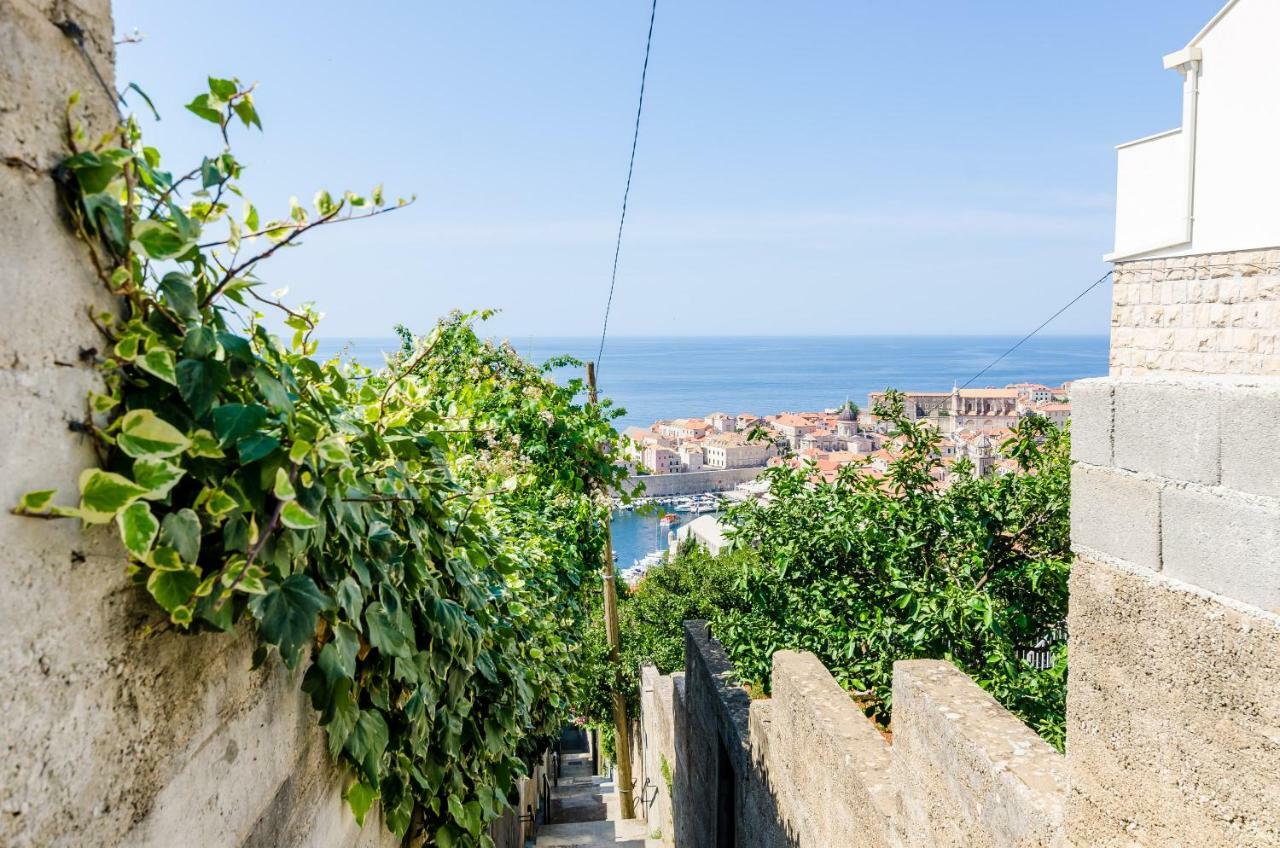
635	137
993	363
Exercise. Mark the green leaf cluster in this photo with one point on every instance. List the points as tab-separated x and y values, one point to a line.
421	537
867	570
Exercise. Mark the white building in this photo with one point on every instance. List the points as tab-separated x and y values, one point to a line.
731	450
1209	186
660	460
705	530
692	457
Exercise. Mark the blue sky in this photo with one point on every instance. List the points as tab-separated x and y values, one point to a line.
825	168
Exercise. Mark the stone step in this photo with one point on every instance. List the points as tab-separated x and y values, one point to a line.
595	834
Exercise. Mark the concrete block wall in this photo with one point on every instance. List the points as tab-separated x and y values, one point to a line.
1173	707
1208	314
107	738
961	771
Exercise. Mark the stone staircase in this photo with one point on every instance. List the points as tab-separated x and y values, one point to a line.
584	812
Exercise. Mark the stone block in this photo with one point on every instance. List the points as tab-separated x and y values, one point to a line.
1116	513
1091	421
822	761
1168	428
1173	714
967	770
1224	542
1250	458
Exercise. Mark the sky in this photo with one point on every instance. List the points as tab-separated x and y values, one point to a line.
834	168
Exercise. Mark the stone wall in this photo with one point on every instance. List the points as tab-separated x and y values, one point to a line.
1210	314
811	771
1173	710
654	753
691	482
109	738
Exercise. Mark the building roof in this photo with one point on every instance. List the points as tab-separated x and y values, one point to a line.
989	392
790	419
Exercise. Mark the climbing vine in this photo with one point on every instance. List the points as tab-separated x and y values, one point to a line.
421	537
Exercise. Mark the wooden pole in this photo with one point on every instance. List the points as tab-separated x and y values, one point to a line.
622	743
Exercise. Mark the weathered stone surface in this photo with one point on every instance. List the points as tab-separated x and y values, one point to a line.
1091	418
1168	428
1210	314
1250	436
1173	714
968	772
962	771
109	738
1116	513
823	762
656	753
1224	542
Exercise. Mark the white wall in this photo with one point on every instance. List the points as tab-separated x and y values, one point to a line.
1237	150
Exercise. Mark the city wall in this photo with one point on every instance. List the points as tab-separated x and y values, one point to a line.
691	482
110	738
807	768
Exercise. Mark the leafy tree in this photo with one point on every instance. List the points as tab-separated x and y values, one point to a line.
867	570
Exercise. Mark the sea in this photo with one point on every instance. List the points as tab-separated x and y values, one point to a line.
656	377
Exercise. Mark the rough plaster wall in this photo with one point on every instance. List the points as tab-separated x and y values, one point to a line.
109	739
1173	717
1208	314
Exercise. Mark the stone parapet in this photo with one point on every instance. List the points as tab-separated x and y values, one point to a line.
1207	314
961	770
969	772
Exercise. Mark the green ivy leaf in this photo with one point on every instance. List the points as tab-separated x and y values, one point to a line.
199	381
295	517
203	444
180	295
103	494
366	743
144	435
223	89
159	362
252	580
157	476
273	390
283	486
172	589
360	797
181	531
220	503
383	632
246	112
340	717
351	599
288	614
234	421
159	240
338	657
201	106
256	446
37	501
200	342
138	528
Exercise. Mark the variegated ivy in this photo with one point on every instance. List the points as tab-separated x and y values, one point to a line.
421	536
